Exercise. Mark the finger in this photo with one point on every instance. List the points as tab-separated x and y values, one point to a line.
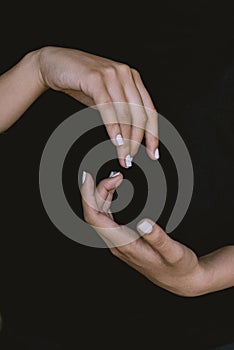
151	133
106	108
107	204
87	192
124	119
139	119
109	213
138	114
117	235
170	250
90	208
106	188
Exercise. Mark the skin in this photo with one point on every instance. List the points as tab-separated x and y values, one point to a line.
92	80
95	80
164	261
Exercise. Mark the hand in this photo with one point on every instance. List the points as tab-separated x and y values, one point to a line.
95	80
152	252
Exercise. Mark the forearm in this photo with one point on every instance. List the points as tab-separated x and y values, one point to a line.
19	88
219	269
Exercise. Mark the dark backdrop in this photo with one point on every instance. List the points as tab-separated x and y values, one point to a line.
54	290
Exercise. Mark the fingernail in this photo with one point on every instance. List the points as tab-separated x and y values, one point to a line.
83	176
156	153
128	161
145	227
119	140
114	174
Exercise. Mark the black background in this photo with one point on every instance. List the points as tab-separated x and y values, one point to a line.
54	290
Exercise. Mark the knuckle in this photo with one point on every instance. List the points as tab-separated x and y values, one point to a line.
126	123
105	99
160	240
115	252
95	77
122	110
124	68
109	71
135	72
177	256
128	249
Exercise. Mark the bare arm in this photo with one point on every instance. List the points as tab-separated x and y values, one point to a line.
19	88
219	267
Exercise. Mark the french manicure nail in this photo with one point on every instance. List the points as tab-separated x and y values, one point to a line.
145	227
128	161
83	176
114	174
156	153
119	140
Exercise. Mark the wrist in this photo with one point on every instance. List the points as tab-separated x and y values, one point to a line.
200	281
194	284
32	61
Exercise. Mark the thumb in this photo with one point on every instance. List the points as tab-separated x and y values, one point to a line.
157	238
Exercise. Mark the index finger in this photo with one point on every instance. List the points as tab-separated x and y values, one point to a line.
117	235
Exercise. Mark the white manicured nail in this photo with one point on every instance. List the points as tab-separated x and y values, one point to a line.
83	176
128	161
145	227
114	174
119	140
156	153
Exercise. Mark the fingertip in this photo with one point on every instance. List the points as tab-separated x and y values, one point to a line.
153	154
87	192
114	132
115	178
87	180
126	161
122	163
145	226
156	154
83	177
116	175
110	183
152	150
119	140
150	154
